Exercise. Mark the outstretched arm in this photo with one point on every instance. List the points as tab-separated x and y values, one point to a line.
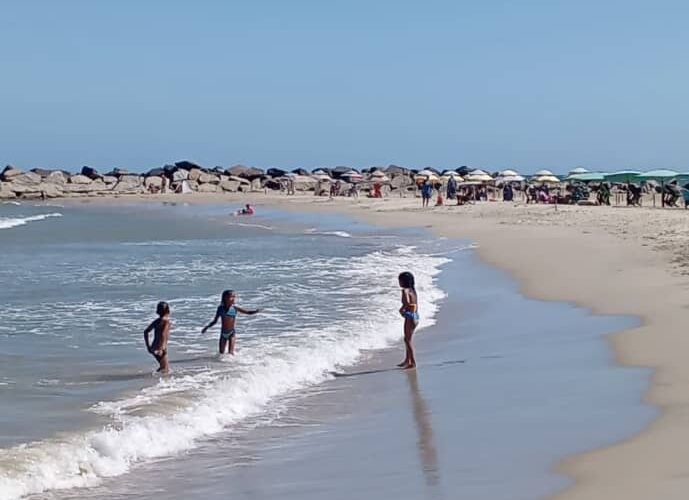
250	312
215	320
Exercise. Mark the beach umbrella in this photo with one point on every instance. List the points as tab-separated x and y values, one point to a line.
546	179
379	176
353	176
470	183
426	174
508	173
543	173
578	170
507	179
623	176
478	176
586	177
660	175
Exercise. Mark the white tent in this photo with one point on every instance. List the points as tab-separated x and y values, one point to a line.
578	170
542	173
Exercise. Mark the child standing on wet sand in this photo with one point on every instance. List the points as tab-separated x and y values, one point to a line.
227	312
410	313
161	328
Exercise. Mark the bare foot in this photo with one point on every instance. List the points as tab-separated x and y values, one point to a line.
403	364
409	366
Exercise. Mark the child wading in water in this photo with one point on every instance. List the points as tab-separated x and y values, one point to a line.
227	312
161	328
410	313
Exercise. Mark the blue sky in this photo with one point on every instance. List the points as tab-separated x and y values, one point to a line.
491	84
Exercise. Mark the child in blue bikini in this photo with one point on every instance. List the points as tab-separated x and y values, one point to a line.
410	313
227	313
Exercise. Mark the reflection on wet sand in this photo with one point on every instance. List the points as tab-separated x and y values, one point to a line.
425	444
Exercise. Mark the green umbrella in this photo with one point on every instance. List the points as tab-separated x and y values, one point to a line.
623	176
660	175
586	177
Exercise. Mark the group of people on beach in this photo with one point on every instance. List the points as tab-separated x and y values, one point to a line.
228	310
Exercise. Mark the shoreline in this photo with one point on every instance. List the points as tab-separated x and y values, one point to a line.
606	282
608	260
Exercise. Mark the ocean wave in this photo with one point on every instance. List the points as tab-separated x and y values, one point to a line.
210	397
10	222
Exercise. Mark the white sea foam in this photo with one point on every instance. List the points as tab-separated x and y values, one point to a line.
246	224
340	234
174	414
9	222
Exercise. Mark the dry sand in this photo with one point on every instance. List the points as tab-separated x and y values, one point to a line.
611	260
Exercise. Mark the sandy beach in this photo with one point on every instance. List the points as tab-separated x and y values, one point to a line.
612	260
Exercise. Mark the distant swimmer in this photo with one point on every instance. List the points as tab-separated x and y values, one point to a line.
247	210
410	313
161	328
227	313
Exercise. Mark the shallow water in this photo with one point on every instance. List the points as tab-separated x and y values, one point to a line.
506	387
80	288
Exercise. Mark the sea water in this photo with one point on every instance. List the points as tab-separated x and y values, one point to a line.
80	400
507	386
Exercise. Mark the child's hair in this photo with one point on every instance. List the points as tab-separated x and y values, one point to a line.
226	295
407	280
163	309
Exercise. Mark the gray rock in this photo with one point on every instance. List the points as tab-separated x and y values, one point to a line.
9	173
27	179
109	179
256	184
304	183
56	177
129	184
209	179
41	171
6	191
80	179
252	173
92	187
208	188
156	172
237	170
399	181
230	186
117	172
180	175
241	180
194	174
90	172
154	180
188	165
52	190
